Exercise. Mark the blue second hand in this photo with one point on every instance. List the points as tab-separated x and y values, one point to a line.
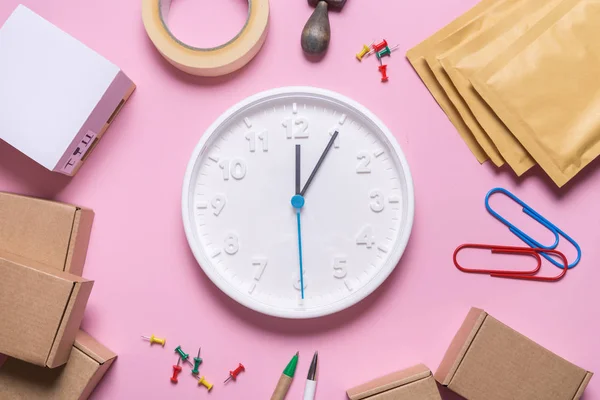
298	203
300	254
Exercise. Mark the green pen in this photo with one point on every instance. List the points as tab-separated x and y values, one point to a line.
285	381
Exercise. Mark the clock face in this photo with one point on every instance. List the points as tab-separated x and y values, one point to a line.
353	226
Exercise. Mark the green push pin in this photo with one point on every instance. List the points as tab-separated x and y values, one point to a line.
386	51
182	355
197	362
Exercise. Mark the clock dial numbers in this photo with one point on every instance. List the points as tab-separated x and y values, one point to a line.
261	137
218	203
364	159
232	244
302	125
377	203
260	264
296	127
288	124
339	267
235	168
251	138
365	237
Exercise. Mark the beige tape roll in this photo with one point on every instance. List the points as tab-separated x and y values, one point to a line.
214	61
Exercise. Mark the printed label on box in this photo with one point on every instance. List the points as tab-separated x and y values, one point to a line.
79	152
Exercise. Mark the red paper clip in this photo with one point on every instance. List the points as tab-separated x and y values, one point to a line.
526	275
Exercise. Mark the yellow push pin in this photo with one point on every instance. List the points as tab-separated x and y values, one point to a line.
205	383
366	50
153	339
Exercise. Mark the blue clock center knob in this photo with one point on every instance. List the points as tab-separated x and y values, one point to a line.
298	201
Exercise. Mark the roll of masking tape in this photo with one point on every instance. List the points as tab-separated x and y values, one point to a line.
214	61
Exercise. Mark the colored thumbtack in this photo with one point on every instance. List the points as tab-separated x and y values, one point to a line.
202	381
176	371
383	70
153	339
366	50
380	46
197	362
184	356
233	374
386	51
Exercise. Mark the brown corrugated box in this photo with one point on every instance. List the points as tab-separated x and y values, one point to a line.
488	360
41	309
88	362
52	233
415	383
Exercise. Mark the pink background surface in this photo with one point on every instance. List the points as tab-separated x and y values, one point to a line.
147	280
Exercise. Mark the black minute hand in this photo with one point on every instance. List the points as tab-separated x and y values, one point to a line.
314	171
297	169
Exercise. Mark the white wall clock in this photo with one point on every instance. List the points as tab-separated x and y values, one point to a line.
248	198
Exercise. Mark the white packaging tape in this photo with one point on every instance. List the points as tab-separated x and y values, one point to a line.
214	61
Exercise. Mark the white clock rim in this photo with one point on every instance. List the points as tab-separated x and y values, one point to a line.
247	301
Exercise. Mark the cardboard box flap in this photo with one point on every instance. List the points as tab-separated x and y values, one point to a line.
25	332
93	348
488	359
586	381
80	238
49	232
69	324
75	380
459	346
41	311
389	382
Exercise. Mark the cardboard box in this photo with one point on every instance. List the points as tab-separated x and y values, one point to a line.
489	360
41	309
58	96
88	362
51	233
414	383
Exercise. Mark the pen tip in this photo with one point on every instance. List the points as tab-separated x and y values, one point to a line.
312	371
297	353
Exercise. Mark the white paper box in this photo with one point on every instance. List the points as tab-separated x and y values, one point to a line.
57	96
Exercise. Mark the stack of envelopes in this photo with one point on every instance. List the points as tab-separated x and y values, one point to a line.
519	81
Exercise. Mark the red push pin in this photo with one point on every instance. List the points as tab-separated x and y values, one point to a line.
383	70
176	371
233	374
380	46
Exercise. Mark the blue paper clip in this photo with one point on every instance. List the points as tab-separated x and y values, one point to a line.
536	216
